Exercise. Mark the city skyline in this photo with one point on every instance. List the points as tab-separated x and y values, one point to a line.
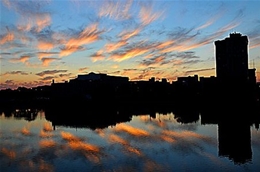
45	40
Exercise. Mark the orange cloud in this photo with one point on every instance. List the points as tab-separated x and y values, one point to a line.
43	166
47	143
147	15
117	139
183	134
69	137
37	21
125	35
88	35
25	132
46	61
45	134
25	26
254	45
45	45
45	54
100	132
131	130
9	153
165	44
133	150
77	144
150	165
114	46
83	146
22	59
69	50
14	73
42	20
47	127
7	38
168	139
129	54
98	56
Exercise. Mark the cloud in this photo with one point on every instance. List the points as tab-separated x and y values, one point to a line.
8	37
69	50
186	55
2	53
129	53
198	70
45	54
42	45
125	35
47	60
211	21
65	75
146	73
47	143
115	46
9	153
131	130
44	133
9	81
147	15
14	73
50	72
83	69
128	72
25	131
155	61
31	14
22	59
98	56
14	85
254	43
116	139
48	78
89	35
116	9
77	143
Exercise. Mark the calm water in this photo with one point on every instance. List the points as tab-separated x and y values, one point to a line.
158	142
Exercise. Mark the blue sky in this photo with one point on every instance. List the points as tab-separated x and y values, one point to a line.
59	39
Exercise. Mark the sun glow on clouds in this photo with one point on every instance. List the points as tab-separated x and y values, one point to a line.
9	153
7	38
131	130
47	143
77	143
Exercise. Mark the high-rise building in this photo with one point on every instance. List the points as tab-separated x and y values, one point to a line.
232	58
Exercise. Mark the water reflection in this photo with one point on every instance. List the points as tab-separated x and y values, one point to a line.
122	139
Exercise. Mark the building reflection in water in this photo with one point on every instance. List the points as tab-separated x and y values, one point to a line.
234	130
234	133
234	141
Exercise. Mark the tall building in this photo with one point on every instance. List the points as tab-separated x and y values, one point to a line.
232	58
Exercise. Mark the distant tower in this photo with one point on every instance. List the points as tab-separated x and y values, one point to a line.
232	58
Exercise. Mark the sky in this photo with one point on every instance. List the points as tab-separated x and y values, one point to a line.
59	39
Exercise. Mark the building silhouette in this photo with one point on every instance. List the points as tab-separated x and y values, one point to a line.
232	58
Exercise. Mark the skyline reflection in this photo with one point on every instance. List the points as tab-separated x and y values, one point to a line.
95	136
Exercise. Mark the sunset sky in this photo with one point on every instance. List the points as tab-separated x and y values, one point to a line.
59	39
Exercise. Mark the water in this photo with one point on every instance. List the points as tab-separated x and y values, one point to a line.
32	140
